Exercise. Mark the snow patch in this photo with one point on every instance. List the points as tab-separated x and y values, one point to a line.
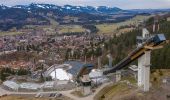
78	7
68	7
40	6
61	74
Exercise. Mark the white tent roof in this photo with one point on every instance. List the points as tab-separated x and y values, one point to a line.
31	86
61	74
11	84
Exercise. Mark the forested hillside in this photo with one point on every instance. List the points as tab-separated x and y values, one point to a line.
122	45
161	58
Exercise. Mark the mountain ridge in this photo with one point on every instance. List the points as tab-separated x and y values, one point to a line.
68	8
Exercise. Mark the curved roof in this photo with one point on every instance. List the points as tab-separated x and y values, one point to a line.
76	66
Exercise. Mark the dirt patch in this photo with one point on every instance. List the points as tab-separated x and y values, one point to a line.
113	90
119	91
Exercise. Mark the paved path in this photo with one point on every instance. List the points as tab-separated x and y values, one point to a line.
65	93
3	92
90	97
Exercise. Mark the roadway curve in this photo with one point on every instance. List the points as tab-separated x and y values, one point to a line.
65	93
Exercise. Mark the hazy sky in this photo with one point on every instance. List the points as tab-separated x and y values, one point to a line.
124	4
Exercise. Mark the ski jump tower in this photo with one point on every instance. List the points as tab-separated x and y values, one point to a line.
144	60
144	63
145	44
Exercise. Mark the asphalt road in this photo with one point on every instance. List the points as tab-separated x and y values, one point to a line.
65	93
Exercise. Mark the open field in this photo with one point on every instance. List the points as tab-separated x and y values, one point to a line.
112	90
115	90
10	33
103	28
131	79
168	19
158	90
112	28
157	75
134	21
53	22
70	28
106	28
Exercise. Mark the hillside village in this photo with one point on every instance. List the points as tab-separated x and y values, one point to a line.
79	53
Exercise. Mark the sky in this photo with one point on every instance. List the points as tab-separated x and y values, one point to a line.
124	4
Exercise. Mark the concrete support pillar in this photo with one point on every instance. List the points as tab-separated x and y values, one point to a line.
55	73
140	70
86	90
118	76
144	71
99	61
85	58
86	85
109	56
110	61
147	70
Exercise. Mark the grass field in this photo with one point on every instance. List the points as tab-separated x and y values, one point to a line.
131	79
109	91
121	91
52	29
10	33
71	28
112	28
168	19
103	28
53	22
134	21
106	28
157	75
